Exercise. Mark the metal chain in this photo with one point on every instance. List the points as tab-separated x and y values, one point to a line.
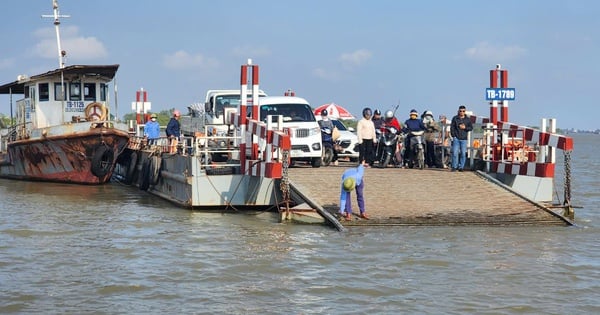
567	187
285	181
568	209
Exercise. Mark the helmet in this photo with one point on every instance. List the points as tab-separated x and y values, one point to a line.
414	112
389	114
428	112
153	116
377	112
176	113
324	112
366	112
349	184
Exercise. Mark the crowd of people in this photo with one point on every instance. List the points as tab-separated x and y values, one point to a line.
445	133
448	134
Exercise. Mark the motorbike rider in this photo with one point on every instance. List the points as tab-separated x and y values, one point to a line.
411	124
377	120
327	133
391	120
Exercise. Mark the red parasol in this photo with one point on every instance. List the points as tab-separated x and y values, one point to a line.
334	111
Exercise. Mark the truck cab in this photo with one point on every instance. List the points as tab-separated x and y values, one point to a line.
214	114
297	115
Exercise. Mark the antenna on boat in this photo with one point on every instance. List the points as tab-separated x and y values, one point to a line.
56	15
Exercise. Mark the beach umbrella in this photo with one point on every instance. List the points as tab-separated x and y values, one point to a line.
334	111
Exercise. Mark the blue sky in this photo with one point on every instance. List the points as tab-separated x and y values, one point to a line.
432	55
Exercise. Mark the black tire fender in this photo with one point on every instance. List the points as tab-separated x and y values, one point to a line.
145	175
133	159
102	161
154	169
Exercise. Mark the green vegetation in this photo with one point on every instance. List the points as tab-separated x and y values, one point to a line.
4	121
163	116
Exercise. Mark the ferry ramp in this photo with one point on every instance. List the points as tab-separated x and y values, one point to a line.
397	196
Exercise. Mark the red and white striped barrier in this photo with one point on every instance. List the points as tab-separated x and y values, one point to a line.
540	138
268	165
528	168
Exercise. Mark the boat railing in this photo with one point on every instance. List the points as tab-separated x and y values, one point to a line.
212	150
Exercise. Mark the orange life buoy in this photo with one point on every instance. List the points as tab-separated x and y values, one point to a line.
96	111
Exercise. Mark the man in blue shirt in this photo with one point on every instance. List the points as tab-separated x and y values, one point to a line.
173	131
352	179
152	130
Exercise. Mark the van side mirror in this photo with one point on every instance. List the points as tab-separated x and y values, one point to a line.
207	108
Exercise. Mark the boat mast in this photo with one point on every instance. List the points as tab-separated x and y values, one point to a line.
61	53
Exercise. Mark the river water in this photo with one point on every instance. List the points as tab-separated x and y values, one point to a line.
111	249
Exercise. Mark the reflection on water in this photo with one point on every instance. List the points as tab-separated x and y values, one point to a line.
113	249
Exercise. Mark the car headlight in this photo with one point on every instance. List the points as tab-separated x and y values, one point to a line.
315	131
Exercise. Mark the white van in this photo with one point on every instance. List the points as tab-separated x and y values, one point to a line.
297	115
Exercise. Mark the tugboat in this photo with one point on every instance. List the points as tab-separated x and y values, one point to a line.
61	130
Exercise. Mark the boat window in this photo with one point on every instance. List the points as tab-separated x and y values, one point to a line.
59	94
89	91
74	92
103	91
44	92
32	97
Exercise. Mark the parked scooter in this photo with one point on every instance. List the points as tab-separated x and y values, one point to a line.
416	152
387	144
328	146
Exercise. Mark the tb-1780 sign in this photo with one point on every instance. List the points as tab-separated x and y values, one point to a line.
500	94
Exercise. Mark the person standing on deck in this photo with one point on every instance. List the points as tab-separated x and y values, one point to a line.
365	130
459	130
352	179
152	130
173	130
432	129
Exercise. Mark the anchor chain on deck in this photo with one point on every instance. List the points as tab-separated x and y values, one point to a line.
568	208
285	181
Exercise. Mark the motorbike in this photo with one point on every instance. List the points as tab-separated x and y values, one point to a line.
387	143
416	146
328	146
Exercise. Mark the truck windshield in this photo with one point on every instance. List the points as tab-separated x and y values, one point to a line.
229	101
290	112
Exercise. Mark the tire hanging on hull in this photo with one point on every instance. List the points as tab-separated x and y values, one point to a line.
154	169
133	159
102	161
145	175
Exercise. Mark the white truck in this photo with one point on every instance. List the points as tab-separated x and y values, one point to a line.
217	107
213	119
298	116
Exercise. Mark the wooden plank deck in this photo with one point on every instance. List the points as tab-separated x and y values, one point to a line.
395	196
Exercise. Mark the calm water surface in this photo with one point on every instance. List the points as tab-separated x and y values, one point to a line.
68	249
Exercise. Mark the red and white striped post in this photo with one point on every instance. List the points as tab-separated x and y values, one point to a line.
141	96
247	137
494	103
504	84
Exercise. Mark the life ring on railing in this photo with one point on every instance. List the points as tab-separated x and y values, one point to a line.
96	111
102	161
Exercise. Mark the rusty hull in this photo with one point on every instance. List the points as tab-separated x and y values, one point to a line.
63	158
